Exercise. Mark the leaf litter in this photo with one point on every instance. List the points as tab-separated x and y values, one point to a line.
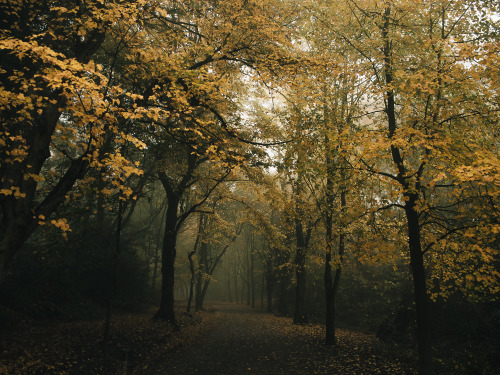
232	340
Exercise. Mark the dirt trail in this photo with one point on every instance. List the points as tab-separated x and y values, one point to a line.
248	341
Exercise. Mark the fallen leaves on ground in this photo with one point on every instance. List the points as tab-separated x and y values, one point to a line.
77	347
252	342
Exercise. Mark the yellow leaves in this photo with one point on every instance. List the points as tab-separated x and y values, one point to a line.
34	177
13	191
6	191
484	169
137	143
107	191
41	220
62	224
467	264
162	12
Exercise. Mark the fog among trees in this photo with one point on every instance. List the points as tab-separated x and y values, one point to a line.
328	169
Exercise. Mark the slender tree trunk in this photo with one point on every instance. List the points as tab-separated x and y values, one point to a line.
197	298
269	285
330	310
155	268
302	240
191	280
236	290
299	316
262	291
248	279
328	279
229	295
284	280
252	278
201	271
332	284
336	282
243	292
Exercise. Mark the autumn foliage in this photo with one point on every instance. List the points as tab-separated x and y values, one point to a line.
284	145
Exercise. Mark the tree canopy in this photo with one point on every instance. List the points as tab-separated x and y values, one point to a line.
315	139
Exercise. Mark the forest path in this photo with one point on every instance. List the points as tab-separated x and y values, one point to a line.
248	341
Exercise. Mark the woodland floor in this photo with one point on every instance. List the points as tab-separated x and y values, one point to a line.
248	341
231	340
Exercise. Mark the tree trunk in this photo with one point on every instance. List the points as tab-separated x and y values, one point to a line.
332	285
204	292
243	292
262	291
111	298
329	299
169	252
229	295
331	340
252	278
236	290
156	259
201	270
328	279
423	333
192	279
11	242
155	268
269	285
18	219
283	298
299	316
248	279
410	195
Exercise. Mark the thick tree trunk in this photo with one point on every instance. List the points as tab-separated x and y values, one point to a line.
19	218
111	298
12	239
204	292
283	298
423	332
411	196
299	316
169	252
